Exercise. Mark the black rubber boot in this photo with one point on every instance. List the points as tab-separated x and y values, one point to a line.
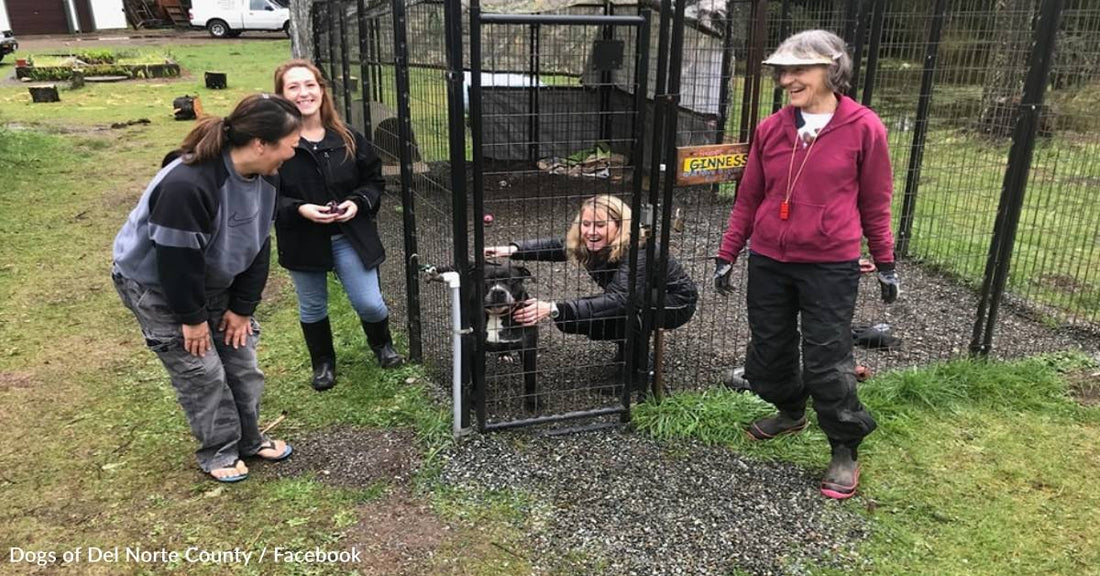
381	343
781	424
321	354
842	476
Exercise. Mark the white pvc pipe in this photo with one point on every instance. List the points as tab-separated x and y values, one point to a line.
454	282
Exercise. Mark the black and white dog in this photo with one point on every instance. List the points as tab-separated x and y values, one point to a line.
504	291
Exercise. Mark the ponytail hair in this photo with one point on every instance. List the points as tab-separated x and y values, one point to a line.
330	118
268	117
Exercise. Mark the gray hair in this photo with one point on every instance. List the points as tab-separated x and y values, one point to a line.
818	44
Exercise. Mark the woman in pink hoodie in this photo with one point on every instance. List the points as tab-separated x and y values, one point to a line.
817	182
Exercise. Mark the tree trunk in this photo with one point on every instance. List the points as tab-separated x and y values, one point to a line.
301	29
1007	66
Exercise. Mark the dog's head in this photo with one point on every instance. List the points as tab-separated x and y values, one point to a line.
504	286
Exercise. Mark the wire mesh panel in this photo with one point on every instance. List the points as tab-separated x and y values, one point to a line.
982	57
1055	272
554	127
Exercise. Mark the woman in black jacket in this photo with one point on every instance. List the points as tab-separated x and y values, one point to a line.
599	241
331	190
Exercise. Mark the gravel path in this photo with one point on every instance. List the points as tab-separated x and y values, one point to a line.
631	505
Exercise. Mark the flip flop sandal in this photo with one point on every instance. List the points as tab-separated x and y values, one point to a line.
839	491
270	445
230	479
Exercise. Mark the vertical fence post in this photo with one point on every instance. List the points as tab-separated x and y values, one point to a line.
658	108
456	129
920	130
657	274
661	111
851	16
376	53
479	209
1014	188
758	37
784	31
726	74
408	207
315	21
533	95
345	62
364	68
857	48
330	23
608	33
878	14
641	97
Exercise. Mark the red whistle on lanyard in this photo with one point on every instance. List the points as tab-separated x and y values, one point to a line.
784	210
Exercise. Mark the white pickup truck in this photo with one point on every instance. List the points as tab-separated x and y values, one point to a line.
228	18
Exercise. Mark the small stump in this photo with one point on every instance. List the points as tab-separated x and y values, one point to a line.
44	93
186	108
216	80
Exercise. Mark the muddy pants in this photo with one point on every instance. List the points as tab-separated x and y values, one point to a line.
823	297
220	392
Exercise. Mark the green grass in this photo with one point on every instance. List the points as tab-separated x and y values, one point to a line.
976	468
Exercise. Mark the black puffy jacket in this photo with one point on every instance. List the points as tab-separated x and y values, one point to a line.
320	172
613	277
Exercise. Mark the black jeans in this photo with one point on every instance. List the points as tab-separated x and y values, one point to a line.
823	296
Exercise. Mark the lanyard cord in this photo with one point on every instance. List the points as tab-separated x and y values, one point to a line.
790	167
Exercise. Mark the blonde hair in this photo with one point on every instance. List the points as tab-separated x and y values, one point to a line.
618	212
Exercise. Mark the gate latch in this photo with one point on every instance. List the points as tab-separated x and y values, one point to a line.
648	214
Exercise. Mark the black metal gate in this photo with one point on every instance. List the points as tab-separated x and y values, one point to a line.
557	114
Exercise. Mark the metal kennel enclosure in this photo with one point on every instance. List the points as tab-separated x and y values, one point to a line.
496	126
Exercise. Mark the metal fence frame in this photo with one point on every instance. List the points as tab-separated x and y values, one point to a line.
874	31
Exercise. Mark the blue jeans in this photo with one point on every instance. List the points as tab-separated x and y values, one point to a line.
360	284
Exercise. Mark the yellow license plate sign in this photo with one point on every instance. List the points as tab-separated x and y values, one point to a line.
710	164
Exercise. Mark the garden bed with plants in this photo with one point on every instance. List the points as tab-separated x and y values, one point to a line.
103	62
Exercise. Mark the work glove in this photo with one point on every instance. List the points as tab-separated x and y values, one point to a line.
722	271
889	283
